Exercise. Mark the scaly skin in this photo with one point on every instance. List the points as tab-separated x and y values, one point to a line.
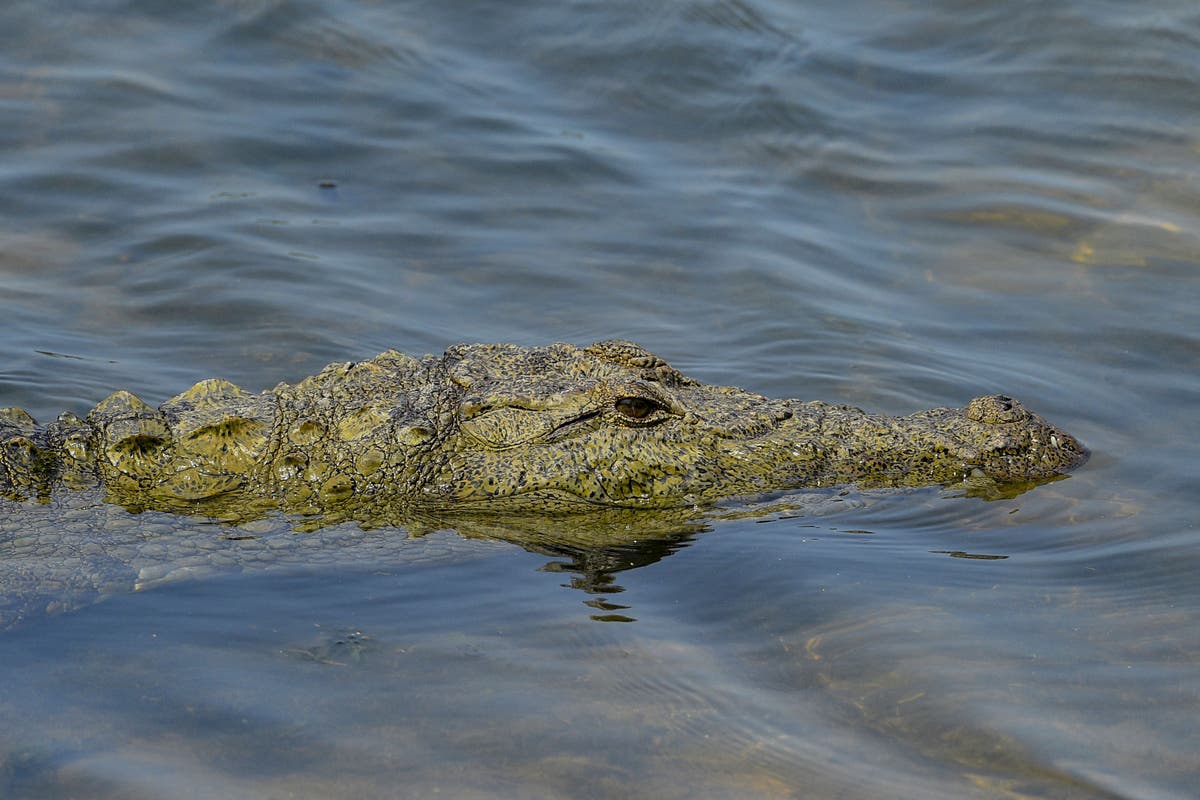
532	429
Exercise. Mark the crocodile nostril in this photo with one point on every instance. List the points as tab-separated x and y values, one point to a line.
996	409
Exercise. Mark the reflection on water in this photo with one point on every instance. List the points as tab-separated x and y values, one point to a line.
76	548
896	205
851	655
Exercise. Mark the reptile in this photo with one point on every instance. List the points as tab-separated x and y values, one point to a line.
536	429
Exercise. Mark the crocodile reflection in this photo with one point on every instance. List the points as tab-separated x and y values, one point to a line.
77	549
592	549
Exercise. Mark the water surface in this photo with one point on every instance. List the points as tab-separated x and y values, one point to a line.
895	205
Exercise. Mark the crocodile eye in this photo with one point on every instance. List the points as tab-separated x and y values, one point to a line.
636	407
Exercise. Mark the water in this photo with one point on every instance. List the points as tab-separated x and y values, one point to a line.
896	205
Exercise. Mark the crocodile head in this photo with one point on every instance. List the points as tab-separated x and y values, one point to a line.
614	424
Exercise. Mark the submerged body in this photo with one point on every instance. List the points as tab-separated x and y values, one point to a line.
548	428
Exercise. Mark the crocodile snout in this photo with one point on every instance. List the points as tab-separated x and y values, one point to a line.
1021	444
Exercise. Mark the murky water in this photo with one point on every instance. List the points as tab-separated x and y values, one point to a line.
895	205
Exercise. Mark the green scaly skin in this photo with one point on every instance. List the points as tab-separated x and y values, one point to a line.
546	429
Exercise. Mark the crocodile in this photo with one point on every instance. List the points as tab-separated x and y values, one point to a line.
500	426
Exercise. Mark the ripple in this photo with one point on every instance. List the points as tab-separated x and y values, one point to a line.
359	37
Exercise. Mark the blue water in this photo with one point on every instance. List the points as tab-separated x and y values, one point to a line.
890	204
